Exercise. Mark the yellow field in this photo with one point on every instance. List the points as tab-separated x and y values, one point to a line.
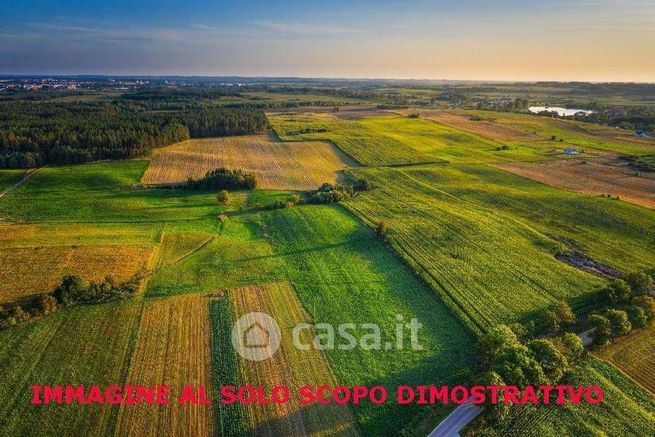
590	176
28	271
290	367
283	165
634	356
173	347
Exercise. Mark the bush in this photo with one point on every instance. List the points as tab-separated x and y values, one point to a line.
648	305
71	289
18	314
494	341
618	291
639	282
602	333
517	366
637	316
223	178
46	304
619	322
223	197
571	347
559	316
552	361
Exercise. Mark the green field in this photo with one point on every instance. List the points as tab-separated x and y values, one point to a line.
84	345
626	409
9	177
467	246
340	270
365	145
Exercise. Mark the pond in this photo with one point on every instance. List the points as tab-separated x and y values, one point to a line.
560	111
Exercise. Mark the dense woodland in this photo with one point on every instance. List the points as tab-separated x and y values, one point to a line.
38	133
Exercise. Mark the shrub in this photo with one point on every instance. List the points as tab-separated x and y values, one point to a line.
602	332
571	346
296	199
648	305
559	316
619	322
19	315
70	290
636	315
618	291
639	282
494	341
46	304
223	178
223	197
517	366
552	361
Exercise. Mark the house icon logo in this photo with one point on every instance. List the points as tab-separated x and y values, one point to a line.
256	336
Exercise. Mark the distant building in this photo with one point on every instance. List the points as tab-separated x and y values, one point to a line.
570	151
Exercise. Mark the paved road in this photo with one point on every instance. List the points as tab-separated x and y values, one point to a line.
458	419
25	177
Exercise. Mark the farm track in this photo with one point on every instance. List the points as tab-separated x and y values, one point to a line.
25	177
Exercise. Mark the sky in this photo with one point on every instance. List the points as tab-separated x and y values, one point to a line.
590	40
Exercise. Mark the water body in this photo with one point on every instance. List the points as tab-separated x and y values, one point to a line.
562	112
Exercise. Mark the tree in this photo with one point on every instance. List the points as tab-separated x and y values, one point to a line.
559	316
492	413
552	361
521	332
639	282
71	289
636	315
381	228
648	304
491	343
618	291
517	366
571	346
551	322
223	197
564	313
619	322
602	332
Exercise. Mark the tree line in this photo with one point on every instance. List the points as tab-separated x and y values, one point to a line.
39	133
73	290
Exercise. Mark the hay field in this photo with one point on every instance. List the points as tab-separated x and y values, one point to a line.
596	177
28	271
634	356
294	166
290	367
172	347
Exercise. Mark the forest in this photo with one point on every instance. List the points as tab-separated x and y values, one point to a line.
38	133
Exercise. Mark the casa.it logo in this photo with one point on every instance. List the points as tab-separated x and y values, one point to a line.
256	336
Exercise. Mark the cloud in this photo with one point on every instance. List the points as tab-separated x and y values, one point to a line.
304	28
